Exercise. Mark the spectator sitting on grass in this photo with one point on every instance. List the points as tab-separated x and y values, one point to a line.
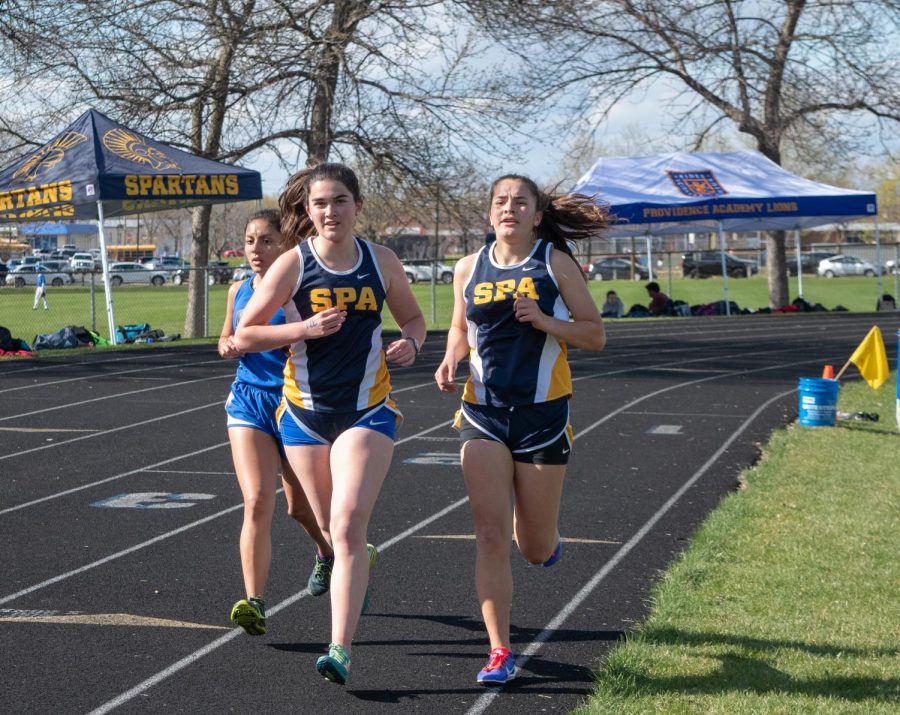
613	307
660	304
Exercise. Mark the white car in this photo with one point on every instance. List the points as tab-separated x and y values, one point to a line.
120	273
82	262
845	266
417	271
24	275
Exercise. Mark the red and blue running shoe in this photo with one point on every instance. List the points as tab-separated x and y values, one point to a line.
500	668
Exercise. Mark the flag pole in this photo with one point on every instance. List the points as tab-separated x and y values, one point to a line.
105	263
841	371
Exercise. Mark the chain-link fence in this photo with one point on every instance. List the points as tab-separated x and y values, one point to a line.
157	298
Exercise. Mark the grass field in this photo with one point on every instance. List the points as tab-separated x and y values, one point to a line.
165	307
787	599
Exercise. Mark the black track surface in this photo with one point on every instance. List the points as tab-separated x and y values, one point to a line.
665	418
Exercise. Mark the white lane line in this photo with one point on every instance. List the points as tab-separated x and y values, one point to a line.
106	375
113	478
168	534
81	403
198	654
547	633
104	433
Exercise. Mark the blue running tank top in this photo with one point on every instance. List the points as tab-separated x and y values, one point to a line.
345	371
266	369
510	362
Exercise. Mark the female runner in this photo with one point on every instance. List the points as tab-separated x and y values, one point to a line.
338	421
511	316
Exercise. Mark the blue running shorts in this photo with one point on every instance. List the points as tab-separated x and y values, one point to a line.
253	407
535	434
307	427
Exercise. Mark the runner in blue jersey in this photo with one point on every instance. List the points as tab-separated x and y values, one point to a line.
255	439
519	302
338	420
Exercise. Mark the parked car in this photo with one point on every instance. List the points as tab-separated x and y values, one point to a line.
845	266
614	268
891	267
417	270
82	263
55	266
809	262
167	263
120	273
233	253
3	271
216	272
241	273
24	275
703	264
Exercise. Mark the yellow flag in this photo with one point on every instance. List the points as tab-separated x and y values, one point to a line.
871	359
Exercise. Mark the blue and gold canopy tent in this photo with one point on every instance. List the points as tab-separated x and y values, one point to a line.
717	192
97	168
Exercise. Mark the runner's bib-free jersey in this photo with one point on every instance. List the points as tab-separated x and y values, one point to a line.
510	362
345	371
263	369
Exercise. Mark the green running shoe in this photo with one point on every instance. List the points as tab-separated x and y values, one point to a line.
250	614
320	579
335	666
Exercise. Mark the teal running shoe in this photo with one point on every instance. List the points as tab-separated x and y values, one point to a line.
320	579
250	614
334	667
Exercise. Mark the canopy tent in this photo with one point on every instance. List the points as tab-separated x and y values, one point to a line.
97	168
716	192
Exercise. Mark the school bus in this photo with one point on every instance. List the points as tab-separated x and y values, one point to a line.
130	252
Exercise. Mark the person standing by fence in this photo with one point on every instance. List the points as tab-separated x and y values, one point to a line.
40	290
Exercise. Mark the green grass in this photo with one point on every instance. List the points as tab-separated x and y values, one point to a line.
787	598
165	307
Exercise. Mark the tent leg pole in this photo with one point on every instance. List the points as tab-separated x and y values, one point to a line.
878	266
799	266
106	287
724	268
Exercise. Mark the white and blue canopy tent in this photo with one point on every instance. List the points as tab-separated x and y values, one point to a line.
715	192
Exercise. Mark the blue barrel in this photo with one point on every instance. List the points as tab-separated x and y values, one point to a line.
818	401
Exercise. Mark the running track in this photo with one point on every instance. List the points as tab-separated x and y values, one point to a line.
120	514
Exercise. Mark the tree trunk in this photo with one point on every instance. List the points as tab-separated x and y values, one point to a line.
194	324
776	269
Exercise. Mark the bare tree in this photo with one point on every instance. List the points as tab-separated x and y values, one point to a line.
349	79
788	73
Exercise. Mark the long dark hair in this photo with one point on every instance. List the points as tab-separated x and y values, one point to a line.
566	217
296	225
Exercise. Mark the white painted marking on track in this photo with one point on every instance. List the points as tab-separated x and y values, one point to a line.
665	429
54	430
152	500
113	478
547	633
435	458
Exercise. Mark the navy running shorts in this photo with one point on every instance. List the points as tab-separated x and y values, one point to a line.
534	434
306	427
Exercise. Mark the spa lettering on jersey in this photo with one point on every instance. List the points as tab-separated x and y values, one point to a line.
342	298
501	290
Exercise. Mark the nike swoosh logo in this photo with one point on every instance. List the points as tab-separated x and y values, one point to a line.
565	451
529	269
375	424
360	276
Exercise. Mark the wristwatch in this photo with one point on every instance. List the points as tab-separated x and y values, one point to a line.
416	344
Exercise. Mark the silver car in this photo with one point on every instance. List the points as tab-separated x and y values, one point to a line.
421	271
845	266
21	276
120	273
